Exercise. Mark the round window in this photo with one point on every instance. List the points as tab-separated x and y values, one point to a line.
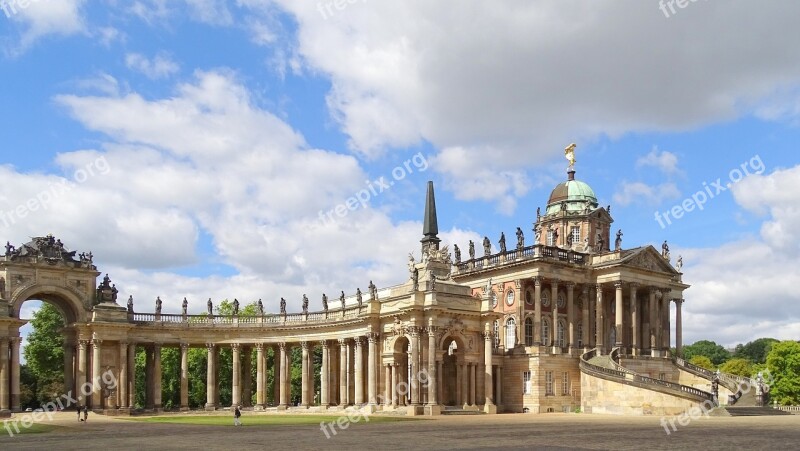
529	297
494	299
561	301
545	299
510	297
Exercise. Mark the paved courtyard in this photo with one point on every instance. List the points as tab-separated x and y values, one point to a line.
550	431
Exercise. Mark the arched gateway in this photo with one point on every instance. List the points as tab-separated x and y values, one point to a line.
442	339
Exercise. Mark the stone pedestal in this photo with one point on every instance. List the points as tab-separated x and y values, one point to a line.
414	411
490	409
433	409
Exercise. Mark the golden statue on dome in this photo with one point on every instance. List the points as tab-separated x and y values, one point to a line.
569	153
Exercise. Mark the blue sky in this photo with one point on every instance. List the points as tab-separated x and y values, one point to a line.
219	130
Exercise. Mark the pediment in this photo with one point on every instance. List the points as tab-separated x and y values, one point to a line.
648	258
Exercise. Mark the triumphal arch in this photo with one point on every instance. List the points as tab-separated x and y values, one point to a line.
566	322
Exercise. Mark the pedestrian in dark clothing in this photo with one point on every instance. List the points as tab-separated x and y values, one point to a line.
79	414
236	414
85	413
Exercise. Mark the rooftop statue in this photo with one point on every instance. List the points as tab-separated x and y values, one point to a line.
283	306
569	153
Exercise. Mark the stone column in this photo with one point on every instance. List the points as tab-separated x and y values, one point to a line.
591	299
236	379
247	376
653	322
395	396
15	373
80	372
472	381
325	397
184	376
5	396
132	375
571	342
157	376
304	376
122	385
465	372
489	405
387	369
537	314
665	320
600	321
148	378
343	390
678	327
554	306
585	328
276	375
635	329
211	378
620	328
372	373
459	377
433	374
69	368
260	386
97	402
415	358
284	377
359	370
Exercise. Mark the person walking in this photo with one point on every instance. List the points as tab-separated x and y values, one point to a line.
236	414
85	413
79	414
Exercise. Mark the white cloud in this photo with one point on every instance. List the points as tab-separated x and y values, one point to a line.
527	78
643	194
743	290
664	161
161	66
43	18
207	162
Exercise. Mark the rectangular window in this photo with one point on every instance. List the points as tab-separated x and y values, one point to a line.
565	383
548	383
576	235
526	383
550	240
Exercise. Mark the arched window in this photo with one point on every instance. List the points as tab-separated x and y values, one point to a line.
545	332
511	333
528	332
560	335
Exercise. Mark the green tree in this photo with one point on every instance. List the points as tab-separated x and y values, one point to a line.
756	351
739	367
716	353
783	362
44	348
702	361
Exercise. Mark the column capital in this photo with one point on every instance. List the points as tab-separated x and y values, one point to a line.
342	341
537	280
210	346
259	347
488	335
184	346
634	285
304	345
554	283
325	344
570	285
432	331
81	343
235	346
618	284
121	343
282	345
679	301
96	342
358	341
598	287
414	331
585	289
372	337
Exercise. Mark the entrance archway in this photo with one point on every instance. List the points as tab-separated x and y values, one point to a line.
452	366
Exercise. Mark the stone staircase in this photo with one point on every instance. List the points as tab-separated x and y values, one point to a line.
739	411
455	410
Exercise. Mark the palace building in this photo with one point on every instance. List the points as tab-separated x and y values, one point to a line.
567	321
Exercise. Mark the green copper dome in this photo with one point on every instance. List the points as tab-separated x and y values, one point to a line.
572	193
